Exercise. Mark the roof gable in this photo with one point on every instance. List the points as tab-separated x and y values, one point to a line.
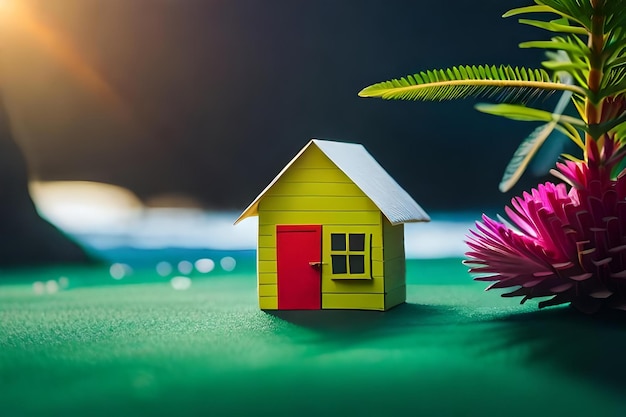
367	174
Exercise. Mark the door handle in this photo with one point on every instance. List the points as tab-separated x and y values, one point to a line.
317	264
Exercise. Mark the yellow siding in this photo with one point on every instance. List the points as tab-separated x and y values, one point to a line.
268	230
266	266
267	278
304	175
347	286
354	301
318	203
339	189
267	241
268	303
395	273
395	263
395	297
267	254
377	254
353	286
268	290
393	237
319	217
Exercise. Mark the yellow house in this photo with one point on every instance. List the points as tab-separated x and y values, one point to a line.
331	232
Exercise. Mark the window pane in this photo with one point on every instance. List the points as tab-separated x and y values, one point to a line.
357	264
339	264
357	242
337	241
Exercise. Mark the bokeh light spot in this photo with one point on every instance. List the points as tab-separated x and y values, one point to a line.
164	268
64	282
39	287
185	267
180	283
228	263
204	265
52	286
119	271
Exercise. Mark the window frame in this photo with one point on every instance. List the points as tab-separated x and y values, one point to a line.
328	252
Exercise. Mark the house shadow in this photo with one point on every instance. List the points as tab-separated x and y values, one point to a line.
568	342
349	327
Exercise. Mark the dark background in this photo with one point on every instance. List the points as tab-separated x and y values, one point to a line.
211	98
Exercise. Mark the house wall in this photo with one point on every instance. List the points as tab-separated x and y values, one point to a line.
394	264
315	191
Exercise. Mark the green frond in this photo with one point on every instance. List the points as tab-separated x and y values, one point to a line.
523	155
620	132
570	131
615	43
615	11
515	112
615	63
571	157
579	103
559	25
614	77
503	83
527	114
573	10
571	44
614	88
527	9
531	144
617	124
568	67
576	10
615	52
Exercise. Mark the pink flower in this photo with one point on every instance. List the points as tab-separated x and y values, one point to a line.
570	246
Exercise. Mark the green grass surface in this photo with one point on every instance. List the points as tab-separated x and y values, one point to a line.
142	348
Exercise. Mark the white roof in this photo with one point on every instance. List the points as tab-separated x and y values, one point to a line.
367	174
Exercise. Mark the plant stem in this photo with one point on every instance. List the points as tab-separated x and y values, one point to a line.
594	80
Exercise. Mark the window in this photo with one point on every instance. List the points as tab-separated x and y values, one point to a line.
349	255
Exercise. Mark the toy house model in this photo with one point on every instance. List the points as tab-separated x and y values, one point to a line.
331	232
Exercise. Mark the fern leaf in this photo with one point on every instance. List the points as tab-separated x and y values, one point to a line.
504	83
528	9
529	146
618	62
576	10
570	157
516	112
615	13
613	89
524	153
559	25
557	44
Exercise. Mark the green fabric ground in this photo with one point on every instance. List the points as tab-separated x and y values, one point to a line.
145	349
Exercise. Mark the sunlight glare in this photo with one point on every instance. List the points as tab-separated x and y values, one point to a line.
80	205
26	19
6	5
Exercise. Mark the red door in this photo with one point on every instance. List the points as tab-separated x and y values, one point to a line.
298	255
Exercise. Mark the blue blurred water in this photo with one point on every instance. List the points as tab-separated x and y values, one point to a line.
172	234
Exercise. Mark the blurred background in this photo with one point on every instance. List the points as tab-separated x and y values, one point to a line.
120	106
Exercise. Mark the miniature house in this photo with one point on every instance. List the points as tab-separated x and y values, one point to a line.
331	232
